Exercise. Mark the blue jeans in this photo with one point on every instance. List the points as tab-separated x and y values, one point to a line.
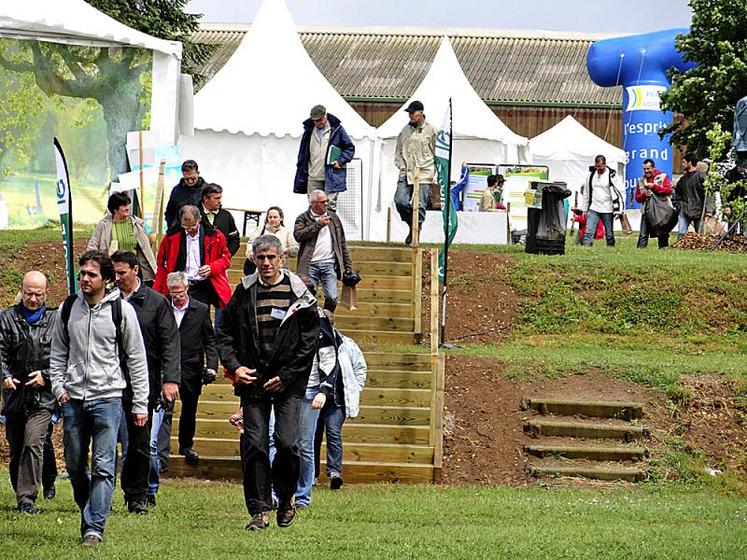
324	272
306	431
403	200
684	222
154	477
333	418
93	423
592	221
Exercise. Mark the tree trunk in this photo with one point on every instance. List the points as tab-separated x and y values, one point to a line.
121	109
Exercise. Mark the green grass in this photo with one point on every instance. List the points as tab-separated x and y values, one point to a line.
205	520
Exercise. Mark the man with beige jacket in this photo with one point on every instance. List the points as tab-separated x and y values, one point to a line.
415	156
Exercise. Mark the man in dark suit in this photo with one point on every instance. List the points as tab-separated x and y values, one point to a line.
199	363
221	219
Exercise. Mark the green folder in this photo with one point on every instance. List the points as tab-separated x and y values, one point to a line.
333	154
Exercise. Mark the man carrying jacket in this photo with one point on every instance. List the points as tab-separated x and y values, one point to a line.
88	380
324	151
601	200
322	253
187	191
199	250
652	181
690	191
28	401
161	338
267	340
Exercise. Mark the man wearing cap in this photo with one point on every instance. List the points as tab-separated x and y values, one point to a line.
415	156
324	151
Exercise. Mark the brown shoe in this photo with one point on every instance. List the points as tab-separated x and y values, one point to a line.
286	514
259	522
91	540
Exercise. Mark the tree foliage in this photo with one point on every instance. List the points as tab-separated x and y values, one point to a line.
165	19
706	95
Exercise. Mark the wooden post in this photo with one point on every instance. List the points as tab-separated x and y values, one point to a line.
415	243
158	211
142	179
437	362
417	293
434	303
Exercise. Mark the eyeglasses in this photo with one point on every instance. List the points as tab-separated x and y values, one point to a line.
189	227
325	202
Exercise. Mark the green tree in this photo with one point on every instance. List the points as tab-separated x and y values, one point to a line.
706	95
114	77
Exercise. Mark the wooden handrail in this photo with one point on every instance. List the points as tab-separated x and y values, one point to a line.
438	363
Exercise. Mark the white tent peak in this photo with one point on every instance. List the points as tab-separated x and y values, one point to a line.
472	118
270	84
75	22
569	138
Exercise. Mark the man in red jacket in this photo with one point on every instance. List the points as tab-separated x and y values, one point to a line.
652	181
199	250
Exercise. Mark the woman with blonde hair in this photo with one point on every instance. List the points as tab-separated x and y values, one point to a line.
120	231
273	226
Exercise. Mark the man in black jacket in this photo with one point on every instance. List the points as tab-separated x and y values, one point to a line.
25	339
199	364
690	192
220	219
187	191
161	338
267	340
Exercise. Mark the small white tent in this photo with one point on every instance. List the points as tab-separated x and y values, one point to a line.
478	135
569	148
77	23
248	122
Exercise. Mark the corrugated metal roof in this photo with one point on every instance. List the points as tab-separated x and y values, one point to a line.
504	68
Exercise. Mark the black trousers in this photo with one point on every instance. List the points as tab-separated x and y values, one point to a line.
136	466
164	436
187	418
49	467
203	291
259	477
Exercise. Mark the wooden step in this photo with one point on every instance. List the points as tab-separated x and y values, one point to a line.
376	309
399	361
398	379
357	254
375	323
396	397
376	295
586	452
625	432
368	282
393	415
599	409
595	473
352	432
367	338
229	468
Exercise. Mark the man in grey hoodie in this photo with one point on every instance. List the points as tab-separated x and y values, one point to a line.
88	381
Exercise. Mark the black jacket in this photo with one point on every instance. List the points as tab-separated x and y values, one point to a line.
197	340
734	176
161	338
295	343
181	195
690	193
224	222
25	349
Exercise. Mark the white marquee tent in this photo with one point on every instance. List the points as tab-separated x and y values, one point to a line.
479	136
77	23
569	148
248	123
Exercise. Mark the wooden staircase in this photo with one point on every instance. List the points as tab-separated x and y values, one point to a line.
397	436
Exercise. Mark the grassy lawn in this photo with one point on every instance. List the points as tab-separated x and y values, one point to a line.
205	520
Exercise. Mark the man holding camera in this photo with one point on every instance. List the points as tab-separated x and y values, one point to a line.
323	252
28	402
161	338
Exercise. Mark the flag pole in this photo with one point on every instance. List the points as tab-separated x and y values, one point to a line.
442	336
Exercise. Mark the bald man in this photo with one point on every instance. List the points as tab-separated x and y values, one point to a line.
28	402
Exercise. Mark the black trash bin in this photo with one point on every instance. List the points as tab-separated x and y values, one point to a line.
546	226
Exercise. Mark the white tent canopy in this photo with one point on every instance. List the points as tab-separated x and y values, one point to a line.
248	120
478	135
569	148
76	22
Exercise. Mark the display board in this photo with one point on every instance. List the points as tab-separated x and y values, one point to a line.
518	178
476	184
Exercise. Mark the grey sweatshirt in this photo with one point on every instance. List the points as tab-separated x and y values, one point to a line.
85	364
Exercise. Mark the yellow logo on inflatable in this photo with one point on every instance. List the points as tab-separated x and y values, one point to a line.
644	98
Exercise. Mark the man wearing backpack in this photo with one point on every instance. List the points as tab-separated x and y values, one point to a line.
97	355
163	356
